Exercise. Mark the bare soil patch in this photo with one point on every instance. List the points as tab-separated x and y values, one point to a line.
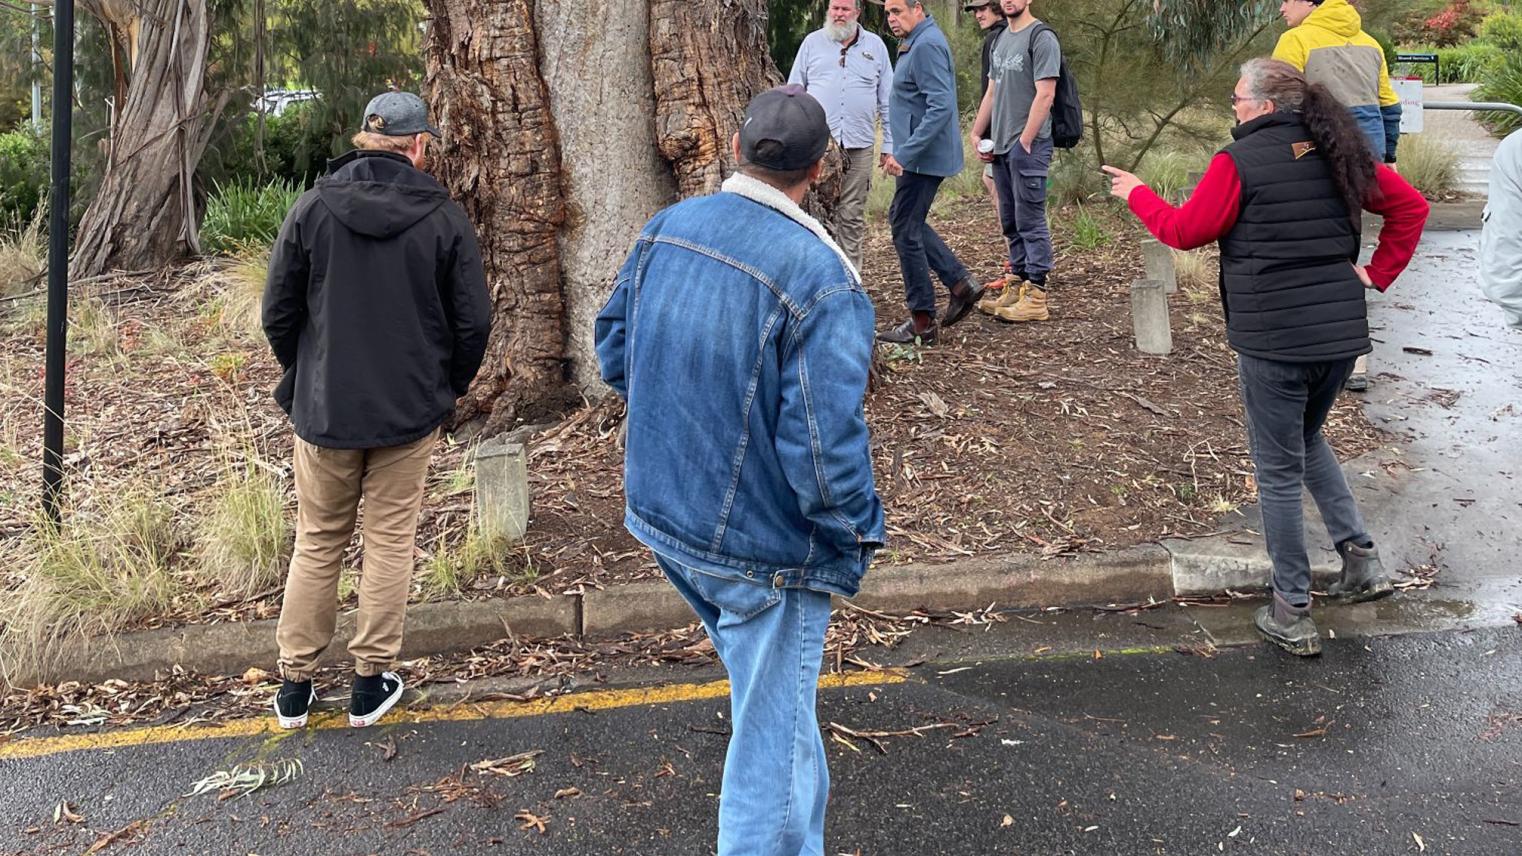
1052	438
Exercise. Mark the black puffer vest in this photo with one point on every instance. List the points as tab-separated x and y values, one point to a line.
1287	278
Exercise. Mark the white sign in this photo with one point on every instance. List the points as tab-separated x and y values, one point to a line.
1410	91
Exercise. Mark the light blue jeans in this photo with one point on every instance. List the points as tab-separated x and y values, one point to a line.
772	642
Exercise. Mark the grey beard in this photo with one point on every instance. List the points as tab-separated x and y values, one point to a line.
838	34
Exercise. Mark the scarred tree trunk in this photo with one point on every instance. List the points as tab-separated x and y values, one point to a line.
709	59
567	124
143	215
502	164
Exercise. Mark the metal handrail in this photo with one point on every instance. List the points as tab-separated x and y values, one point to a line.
1496	106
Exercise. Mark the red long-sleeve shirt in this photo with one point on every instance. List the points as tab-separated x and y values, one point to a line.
1213	208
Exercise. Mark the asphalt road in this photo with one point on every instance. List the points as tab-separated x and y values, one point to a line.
1384	745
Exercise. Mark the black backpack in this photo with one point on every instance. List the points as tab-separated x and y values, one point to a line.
1067	112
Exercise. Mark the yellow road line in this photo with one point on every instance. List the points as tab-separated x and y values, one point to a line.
465	712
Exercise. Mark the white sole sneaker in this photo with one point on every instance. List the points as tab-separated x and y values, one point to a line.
374	716
293	722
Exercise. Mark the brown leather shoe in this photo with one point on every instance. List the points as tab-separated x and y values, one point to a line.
904	334
964	296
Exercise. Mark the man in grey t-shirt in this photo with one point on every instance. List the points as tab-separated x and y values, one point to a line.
1016	114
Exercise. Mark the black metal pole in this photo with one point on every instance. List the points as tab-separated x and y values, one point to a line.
58	256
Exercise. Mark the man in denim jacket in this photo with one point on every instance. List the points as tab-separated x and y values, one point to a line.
740	336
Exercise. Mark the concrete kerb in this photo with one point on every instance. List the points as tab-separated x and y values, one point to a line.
1213	566
233	647
1133	575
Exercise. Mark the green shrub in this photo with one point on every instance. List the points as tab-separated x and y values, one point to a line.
1074	178
296	148
1465	64
244	215
93	575
1385	45
1167	172
1088	231
243	539
1504	83
23	174
1502	30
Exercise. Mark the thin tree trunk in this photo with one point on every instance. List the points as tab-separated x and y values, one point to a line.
144	214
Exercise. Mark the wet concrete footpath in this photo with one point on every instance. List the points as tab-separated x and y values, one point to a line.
1443	496
1164	730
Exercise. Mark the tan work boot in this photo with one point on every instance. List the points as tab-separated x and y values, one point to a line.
994	291
1030	306
1012	296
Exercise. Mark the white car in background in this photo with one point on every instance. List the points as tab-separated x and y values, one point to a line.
277	101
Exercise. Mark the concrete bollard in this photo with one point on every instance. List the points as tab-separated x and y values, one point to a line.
502	494
1149	317
1157	260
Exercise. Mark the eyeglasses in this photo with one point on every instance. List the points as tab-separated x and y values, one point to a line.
1237	99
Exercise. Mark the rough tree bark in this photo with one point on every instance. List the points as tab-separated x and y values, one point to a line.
144	213
567	124
709	59
502	163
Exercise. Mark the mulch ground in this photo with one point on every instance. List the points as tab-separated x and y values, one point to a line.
1048	438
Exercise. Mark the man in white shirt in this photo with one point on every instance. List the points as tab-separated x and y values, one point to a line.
846	69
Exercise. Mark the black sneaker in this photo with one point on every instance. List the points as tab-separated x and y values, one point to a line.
292	703
373	696
1363	575
1297	636
904	334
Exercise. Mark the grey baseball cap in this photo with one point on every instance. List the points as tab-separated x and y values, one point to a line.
397	114
784	129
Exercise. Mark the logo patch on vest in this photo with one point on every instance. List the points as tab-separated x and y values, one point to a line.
1302	149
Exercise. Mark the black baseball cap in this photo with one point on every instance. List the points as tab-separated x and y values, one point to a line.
784	129
397	114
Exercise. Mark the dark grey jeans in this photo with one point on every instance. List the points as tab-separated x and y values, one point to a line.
1287	405
920	249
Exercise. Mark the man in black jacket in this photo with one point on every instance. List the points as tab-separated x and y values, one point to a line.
377	309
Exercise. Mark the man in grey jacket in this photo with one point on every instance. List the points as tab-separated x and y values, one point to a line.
1501	240
927	150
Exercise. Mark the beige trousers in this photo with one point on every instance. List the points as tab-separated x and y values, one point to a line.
850	211
329	486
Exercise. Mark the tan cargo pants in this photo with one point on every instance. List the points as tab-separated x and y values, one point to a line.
329	486
850	209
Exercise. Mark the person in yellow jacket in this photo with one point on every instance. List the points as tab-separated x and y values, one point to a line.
1326	41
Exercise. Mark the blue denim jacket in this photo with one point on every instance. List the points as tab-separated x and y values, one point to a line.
741	343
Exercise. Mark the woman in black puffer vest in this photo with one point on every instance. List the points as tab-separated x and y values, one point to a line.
1284	202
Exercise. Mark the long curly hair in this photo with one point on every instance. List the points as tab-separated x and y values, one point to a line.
1336	135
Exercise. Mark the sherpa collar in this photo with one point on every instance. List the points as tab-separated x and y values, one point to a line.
762	193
